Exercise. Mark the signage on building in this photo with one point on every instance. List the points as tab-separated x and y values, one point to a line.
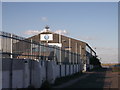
46	37
55	44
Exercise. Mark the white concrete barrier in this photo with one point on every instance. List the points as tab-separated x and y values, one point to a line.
6	79
17	79
26	74
57	71
36	74
43	70
67	70
74	69
51	71
77	68
62	70
71	69
21	73
6	72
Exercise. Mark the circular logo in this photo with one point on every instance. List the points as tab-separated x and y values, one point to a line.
46	37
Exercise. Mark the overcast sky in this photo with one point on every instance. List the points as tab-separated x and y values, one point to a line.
93	22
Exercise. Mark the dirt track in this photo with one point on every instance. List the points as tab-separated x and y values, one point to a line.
103	78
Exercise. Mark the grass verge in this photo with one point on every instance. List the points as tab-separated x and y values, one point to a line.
61	80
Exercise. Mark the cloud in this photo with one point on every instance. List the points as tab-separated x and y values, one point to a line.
44	19
63	32
32	32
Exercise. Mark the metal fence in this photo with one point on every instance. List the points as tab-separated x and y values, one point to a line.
13	46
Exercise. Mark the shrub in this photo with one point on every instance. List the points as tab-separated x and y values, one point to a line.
46	84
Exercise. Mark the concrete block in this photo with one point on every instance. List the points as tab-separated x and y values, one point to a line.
67	70
62	70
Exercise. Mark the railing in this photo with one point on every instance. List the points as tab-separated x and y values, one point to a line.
13	46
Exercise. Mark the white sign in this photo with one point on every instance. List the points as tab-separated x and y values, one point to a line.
55	44
46	37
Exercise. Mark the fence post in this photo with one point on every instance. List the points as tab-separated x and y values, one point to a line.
60	71
31	49
39	51
11	56
54	54
11	62
60	55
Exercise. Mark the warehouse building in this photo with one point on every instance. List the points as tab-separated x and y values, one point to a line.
67	44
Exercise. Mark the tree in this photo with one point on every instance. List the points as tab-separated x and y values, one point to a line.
95	61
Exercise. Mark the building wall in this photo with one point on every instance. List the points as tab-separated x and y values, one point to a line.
76	46
69	44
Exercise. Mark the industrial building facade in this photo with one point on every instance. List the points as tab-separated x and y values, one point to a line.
65	43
